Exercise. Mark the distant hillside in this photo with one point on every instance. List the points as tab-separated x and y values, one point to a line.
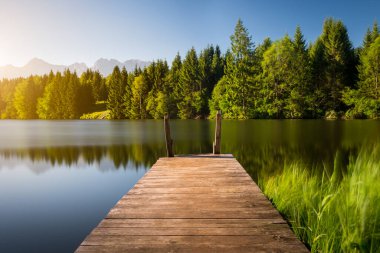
105	66
39	67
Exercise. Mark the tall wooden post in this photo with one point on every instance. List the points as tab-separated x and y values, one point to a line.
168	139
218	133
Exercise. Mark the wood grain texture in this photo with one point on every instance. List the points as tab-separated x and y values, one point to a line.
205	203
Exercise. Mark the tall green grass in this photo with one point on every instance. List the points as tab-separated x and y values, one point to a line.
332	213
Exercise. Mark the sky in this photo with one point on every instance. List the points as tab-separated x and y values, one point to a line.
68	31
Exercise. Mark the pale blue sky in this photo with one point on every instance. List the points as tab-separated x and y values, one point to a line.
67	31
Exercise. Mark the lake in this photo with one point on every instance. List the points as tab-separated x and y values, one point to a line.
58	179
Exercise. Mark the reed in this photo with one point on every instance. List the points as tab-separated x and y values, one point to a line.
331	213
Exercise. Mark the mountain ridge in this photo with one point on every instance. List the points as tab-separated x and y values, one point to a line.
37	66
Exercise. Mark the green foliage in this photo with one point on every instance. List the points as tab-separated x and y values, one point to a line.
26	96
218	99
53	96
116	89
333	59
7	92
99	87
59	100
369	71
158	100
96	115
127	80
211	70
332	214
239	75
173	80
286	78
92	88
364	102
371	36
139	91
190	87
281	79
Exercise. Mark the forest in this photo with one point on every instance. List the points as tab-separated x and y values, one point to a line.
283	79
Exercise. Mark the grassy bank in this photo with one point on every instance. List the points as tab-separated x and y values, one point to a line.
99	111
332	213
96	115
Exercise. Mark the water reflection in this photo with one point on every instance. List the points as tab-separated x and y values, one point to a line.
58	179
263	147
76	156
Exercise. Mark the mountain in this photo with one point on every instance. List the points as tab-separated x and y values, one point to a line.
39	67
105	66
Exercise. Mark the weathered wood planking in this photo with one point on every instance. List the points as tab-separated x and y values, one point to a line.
199	203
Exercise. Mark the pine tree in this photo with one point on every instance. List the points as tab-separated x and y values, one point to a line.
71	106
375	31
239	74
60	100
86	93
365	101
99	89
339	54
333	57
299	41
277	88
370	71
370	36
115	97
259	102
139	92
158	97
127	98
217	67
260	50
26	95
50	104
206	75
367	39
286	78
190	87
320	97
300	102
173	82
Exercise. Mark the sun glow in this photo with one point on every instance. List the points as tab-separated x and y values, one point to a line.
8	56
2	56
5	58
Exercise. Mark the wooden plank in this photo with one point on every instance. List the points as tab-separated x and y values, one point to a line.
183	248
198	198
188	223
193	214
193	204
189	240
191	190
278	229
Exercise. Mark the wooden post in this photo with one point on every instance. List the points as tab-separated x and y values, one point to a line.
218	133
168	139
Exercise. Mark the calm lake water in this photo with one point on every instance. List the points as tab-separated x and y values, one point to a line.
58	179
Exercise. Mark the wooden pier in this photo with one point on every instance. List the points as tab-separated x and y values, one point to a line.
199	203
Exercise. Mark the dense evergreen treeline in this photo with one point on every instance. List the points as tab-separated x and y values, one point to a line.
286	78
54	96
